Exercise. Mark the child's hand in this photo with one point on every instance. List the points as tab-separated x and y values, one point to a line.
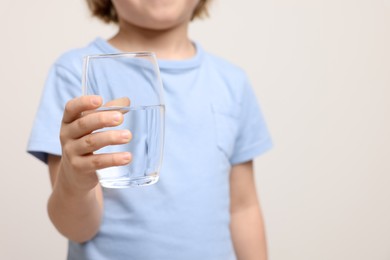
78	163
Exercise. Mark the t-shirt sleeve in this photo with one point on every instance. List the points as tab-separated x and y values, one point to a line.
61	86
253	137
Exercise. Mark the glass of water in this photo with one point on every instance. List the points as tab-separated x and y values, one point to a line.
133	76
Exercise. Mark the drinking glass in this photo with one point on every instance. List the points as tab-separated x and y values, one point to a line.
135	76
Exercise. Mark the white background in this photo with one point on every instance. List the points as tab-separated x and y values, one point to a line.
321	71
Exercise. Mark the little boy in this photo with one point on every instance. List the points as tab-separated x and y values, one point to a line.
205	204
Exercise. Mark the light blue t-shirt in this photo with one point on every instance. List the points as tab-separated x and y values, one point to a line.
212	122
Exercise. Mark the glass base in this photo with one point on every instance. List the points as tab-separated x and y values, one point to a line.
127	183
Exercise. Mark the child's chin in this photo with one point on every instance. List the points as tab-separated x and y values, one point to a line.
163	23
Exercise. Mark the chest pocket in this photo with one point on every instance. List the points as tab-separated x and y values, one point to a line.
226	125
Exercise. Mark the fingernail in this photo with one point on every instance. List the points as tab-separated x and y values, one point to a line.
125	135
95	101
126	157
117	117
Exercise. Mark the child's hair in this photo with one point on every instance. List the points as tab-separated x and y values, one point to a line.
104	10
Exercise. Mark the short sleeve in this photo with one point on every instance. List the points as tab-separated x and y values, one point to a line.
253	137
61	86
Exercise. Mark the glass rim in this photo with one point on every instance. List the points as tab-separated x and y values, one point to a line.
134	54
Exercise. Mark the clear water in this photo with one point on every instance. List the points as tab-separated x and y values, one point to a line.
147	127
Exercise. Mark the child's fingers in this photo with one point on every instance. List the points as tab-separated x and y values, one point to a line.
75	107
93	162
91	122
119	102
93	142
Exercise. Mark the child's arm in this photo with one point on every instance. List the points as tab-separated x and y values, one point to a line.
247	225
76	203
76	215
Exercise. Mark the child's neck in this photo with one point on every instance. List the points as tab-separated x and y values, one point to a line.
170	44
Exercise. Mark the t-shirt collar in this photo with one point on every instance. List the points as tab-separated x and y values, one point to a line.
186	64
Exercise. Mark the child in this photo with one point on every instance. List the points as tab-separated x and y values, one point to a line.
205	204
